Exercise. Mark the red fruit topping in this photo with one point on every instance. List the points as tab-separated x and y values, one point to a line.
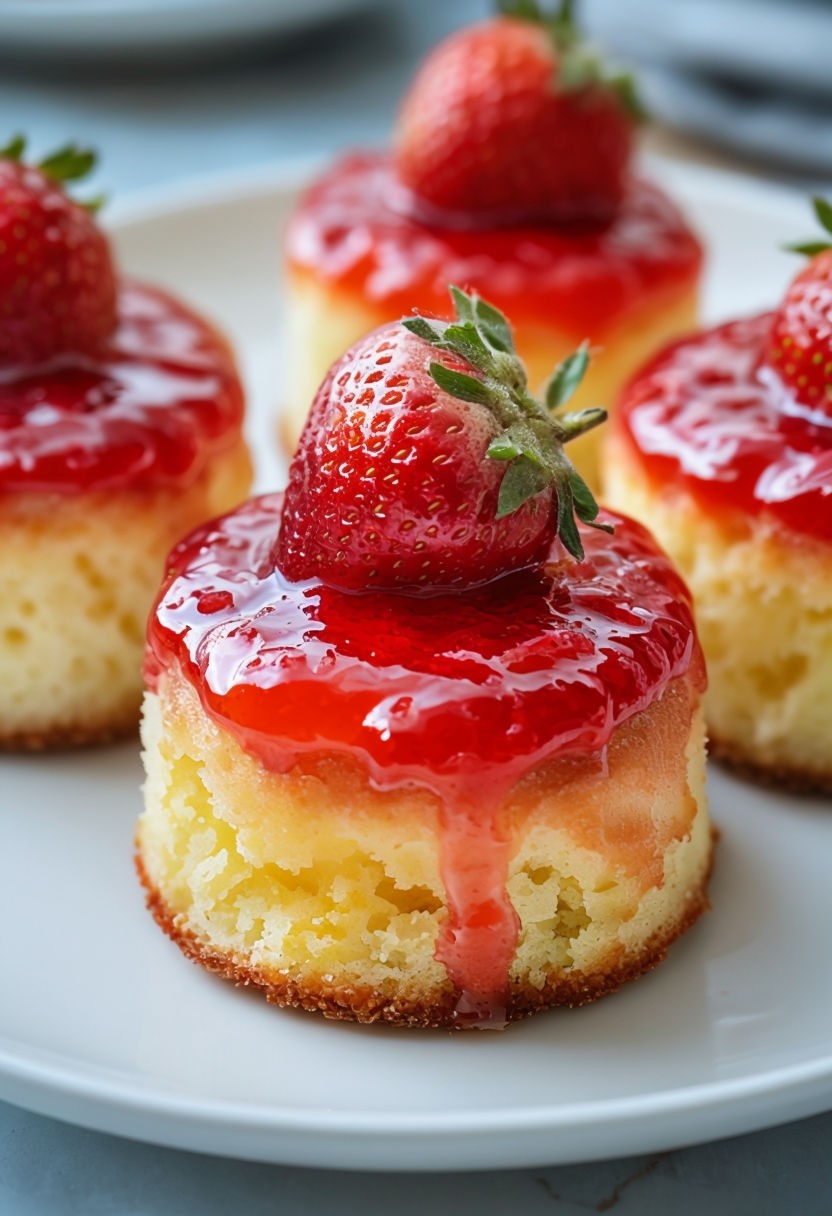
57	283
150	410
422	474
800	346
512	121
707	415
459	694
580	279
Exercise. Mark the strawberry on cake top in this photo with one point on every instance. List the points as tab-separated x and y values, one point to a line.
120	428
724	444
510	173
423	742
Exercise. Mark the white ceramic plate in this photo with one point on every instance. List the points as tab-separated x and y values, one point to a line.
102	1022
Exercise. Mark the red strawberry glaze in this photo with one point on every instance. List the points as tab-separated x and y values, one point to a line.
458	694
160	398
708	415
349	231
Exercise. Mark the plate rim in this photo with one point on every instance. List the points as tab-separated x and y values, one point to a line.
651	1104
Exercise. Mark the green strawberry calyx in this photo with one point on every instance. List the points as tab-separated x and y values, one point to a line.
70	163
579	65
823	212
532	433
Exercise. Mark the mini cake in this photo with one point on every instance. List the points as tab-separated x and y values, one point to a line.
120	429
724	444
511	175
407	759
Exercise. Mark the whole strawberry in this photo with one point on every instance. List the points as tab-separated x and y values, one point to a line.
800	347
514	121
57	284
426	465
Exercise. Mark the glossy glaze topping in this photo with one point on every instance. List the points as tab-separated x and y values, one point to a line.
459	694
147	412
432	689
350	231
708	415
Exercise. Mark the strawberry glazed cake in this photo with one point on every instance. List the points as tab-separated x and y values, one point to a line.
423	740
724	444
511	173
120	429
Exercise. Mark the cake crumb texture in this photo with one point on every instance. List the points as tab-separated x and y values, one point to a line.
763	600
79	574
327	894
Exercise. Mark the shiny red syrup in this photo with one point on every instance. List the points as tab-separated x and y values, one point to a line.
458	694
350	232
149	411
709	416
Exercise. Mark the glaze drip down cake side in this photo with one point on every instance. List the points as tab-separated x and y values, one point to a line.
508	179
120	429
450	803
382	826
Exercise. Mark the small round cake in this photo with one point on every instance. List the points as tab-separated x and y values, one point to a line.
110	450
450	803
506	179
724	445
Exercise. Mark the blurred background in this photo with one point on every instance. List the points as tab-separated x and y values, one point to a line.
170	89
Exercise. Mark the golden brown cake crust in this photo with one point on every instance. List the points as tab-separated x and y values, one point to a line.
91	733
367	1005
784	777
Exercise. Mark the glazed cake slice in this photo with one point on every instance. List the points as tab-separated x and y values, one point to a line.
411	756
511	174
104	464
355	262
349	810
740	497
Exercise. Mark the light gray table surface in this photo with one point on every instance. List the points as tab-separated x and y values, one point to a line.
155	126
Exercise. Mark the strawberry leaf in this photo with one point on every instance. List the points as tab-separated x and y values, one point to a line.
465	341
94	205
14	149
422	329
463	304
585	505
566	377
463	387
624	84
522	480
530	437
567	527
823	212
493	326
580	421
68	164
503	447
577	70
586	508
519	440
809	248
